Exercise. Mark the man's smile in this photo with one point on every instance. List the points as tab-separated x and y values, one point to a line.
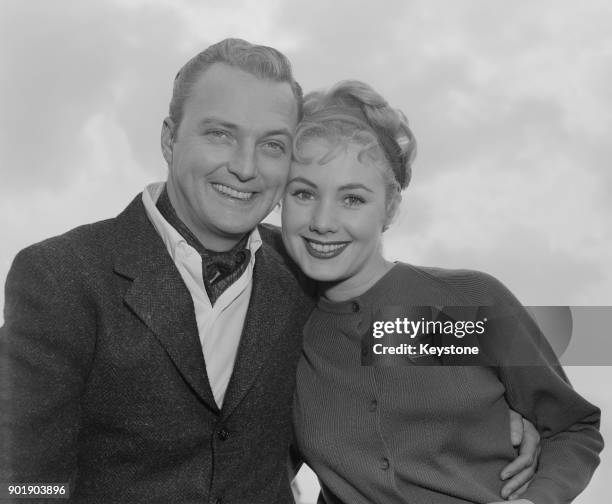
233	193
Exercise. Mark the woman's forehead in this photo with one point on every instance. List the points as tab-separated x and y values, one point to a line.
346	164
314	147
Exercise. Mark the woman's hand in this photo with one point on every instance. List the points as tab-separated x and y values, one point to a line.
520	471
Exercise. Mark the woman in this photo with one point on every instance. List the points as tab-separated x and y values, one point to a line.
398	434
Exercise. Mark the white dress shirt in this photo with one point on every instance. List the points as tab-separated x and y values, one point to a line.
219	325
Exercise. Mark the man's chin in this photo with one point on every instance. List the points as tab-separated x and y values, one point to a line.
244	215
235	229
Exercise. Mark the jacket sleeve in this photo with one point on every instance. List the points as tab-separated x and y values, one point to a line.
537	387
46	345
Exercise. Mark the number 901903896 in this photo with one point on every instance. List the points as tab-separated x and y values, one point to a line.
33	490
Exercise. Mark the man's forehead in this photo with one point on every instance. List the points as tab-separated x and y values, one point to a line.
238	97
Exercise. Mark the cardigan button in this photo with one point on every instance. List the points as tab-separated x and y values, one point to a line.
223	434
373	406
355	306
384	464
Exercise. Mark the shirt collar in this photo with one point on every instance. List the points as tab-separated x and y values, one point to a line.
170	236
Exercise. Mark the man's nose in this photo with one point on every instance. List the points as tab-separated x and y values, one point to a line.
324	219
244	164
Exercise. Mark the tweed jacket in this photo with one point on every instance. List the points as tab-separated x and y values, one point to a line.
104	384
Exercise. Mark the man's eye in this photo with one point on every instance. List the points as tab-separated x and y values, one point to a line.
353	201
274	147
218	135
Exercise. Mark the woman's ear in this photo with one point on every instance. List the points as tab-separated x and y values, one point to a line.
167	139
392	208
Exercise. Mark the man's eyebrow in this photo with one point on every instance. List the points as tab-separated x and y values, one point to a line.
208	121
281	131
303	181
354	186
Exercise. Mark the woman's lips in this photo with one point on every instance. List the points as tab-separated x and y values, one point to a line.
325	250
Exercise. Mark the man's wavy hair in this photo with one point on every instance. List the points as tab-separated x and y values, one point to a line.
261	61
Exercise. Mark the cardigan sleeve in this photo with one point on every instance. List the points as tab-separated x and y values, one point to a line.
46	345
537	387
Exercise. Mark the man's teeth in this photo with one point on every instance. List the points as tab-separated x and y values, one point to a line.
223	189
327	247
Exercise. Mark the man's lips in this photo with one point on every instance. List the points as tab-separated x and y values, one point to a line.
233	193
325	250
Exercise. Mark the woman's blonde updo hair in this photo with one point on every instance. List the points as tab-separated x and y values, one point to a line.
351	112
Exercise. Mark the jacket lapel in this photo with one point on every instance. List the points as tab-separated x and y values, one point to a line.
265	325
159	298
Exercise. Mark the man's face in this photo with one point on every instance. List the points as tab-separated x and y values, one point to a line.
229	158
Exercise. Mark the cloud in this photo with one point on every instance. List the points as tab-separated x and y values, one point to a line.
509	101
88	85
506	101
67	65
530	229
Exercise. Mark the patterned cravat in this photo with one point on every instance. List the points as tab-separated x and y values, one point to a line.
219	269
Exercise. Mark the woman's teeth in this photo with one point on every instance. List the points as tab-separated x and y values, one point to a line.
325	250
327	247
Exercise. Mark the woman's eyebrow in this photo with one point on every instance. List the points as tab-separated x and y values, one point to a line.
354	186
303	181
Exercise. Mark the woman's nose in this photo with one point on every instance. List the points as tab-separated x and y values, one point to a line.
324	218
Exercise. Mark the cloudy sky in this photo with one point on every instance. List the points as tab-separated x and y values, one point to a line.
510	102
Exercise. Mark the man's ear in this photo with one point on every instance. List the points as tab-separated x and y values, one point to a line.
167	139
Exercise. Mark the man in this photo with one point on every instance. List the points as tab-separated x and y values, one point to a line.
151	357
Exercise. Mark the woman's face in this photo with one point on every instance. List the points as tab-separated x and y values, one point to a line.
333	215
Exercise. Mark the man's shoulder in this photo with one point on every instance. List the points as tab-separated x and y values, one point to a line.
271	234
272	238
81	241
274	248
88	241
468	285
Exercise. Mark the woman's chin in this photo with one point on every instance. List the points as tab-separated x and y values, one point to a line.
322	272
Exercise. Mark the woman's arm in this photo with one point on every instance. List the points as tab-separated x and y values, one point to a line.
538	389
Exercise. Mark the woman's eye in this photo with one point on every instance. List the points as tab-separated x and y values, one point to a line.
353	201
302	195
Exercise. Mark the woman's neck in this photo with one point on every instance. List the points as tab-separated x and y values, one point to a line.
357	284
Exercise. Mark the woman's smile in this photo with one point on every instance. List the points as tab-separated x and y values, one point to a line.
333	216
325	250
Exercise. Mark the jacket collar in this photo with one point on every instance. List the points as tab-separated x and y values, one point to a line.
159	297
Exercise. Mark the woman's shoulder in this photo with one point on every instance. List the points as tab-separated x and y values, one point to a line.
469	286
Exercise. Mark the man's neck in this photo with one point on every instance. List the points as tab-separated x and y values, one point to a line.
168	207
